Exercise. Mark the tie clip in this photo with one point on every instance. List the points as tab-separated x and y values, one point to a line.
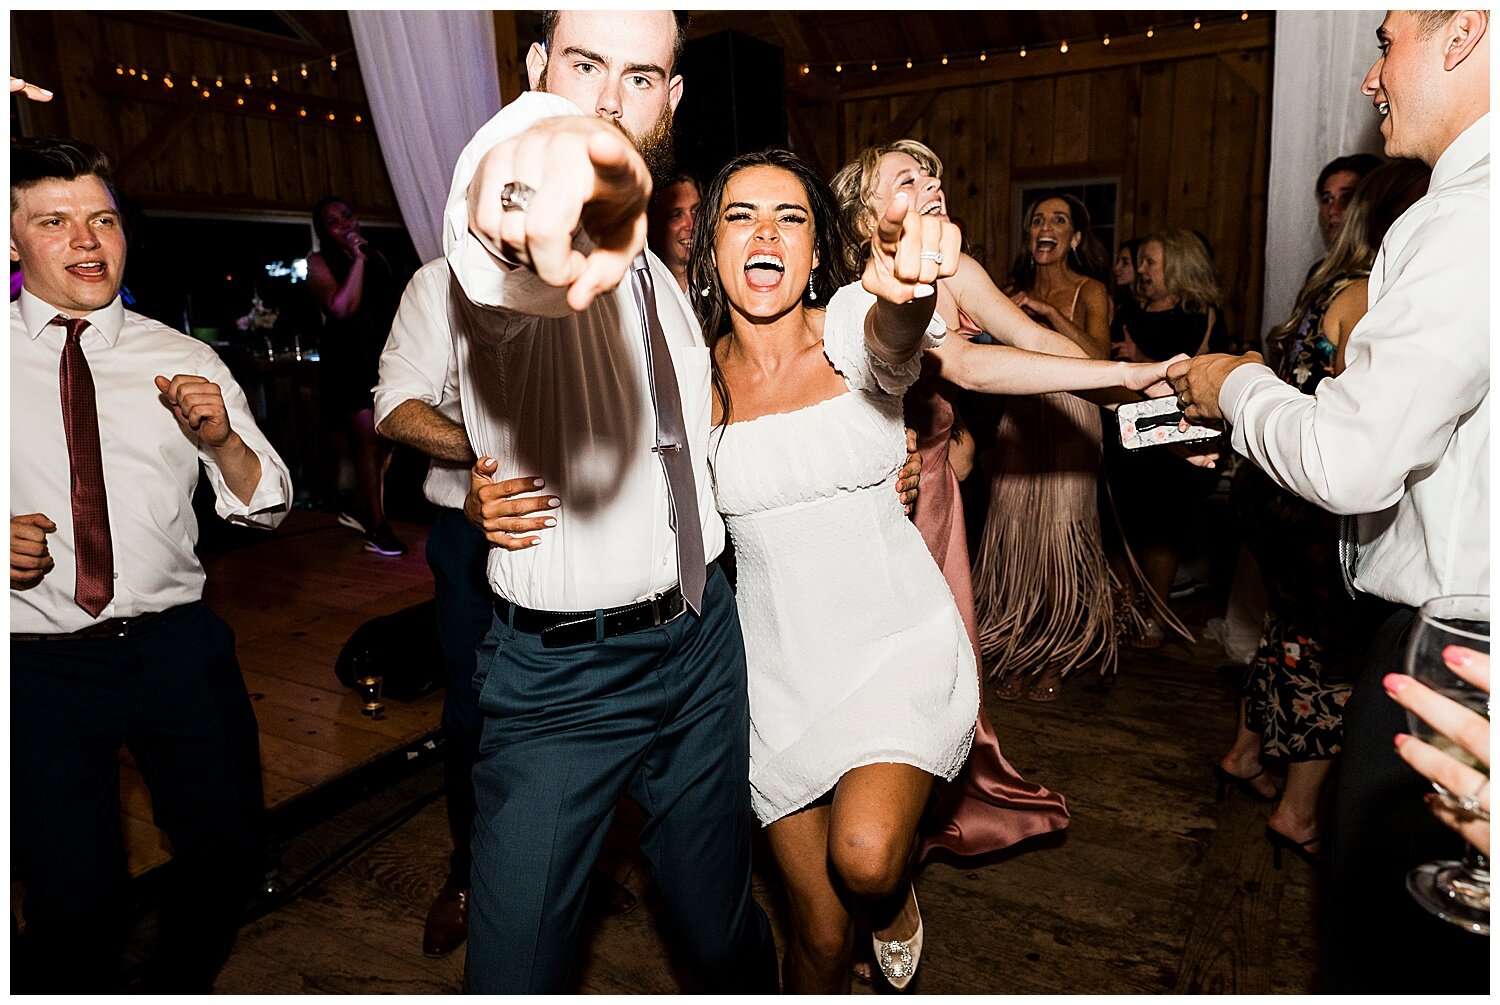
665	446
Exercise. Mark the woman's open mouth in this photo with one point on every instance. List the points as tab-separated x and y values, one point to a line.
764	272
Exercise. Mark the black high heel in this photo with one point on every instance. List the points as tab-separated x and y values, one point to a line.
1226	779
1280	842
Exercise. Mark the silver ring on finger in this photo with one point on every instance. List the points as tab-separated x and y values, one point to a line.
516	195
936	257
1471	805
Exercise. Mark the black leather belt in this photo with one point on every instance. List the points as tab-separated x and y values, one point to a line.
109	628
570	628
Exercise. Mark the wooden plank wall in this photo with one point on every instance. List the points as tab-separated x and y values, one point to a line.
173	149
1187	137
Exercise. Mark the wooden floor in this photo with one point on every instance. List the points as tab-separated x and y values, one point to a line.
293	599
1156	888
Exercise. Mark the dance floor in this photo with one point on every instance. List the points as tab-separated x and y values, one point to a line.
1156	887
293	599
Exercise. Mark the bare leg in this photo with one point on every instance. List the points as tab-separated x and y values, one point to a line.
1296	816
1243	758
822	933
872	834
369	466
859	848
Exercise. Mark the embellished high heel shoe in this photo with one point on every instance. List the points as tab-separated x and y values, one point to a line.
1243	783
898	958
1010	687
1280	842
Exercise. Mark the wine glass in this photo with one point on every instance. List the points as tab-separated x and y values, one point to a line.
1456	891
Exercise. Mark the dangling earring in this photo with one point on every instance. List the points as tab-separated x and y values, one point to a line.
812	286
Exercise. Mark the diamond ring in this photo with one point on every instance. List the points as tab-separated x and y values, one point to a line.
1470	804
516	195
936	257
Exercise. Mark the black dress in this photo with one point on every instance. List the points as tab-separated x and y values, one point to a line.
349	348
1296	686
1156	493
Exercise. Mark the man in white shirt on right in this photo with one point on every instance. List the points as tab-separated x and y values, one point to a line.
1400	442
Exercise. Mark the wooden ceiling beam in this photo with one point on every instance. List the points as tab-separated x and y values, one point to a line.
200	28
1082	57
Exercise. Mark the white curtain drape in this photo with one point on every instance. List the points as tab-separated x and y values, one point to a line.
1317	114
431	80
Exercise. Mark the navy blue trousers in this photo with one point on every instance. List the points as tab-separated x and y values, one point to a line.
456	553
661	714
172	693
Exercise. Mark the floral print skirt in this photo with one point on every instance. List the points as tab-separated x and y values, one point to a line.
1289	700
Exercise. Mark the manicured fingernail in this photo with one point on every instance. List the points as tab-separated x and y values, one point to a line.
1430	799
549	522
1400	739
1457	656
1394	682
537	483
923	290
553	501
533	542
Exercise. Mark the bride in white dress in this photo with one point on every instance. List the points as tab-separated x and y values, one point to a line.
848	622
862	679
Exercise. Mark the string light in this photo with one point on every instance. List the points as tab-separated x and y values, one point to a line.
1023	52
239	101
1106	39
1197	24
1064	46
274	78
1244	15
908	64
331	116
247	80
838	68
272	106
195	81
333	61
1150	32
218	81
359	118
873	67
206	92
120	69
145	75
302	113
132	71
945	59
304	69
983	56
806	69
168	81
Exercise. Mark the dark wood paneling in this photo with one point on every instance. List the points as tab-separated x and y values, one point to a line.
174	149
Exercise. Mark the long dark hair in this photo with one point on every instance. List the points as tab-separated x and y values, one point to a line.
829	232
320	229
1087	259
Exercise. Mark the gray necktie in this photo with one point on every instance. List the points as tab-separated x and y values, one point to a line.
671	440
1349	552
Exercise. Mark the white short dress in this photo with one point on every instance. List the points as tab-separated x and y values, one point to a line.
856	651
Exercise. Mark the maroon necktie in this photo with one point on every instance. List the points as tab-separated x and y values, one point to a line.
91	545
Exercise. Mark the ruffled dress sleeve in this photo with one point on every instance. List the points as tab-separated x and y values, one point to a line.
844	345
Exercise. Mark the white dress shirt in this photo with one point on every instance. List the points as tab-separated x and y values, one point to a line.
566	397
1401	437
150	463
419	364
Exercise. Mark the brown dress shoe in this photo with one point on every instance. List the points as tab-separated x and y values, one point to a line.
447	922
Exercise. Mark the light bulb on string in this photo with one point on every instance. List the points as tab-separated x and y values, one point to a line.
145	75
983	56
908	64
1197	24
873	66
1244	15
304	71
195	81
120	69
806	69
1150	32
1023	52
272	106
359	118
206	92
168	81
838	68
330	116
218	81
275	77
247	80
945	59
333	62
240	102
1106	39
1064	47
302	112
